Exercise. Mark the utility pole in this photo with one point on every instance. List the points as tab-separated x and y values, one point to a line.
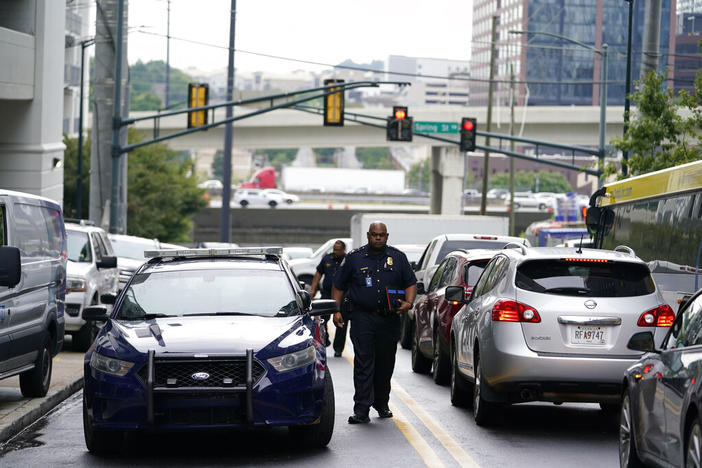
167	101
103	163
486	161
651	37
627	90
81	112
511	148
225	232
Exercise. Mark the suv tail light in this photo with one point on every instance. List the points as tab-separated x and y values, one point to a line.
506	310
661	316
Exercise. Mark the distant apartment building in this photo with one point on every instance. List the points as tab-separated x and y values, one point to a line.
32	43
688	60
77	30
551	71
434	81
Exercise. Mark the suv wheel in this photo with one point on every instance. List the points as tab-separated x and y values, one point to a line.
693	446
542	206
35	383
460	388
244	203
405	331
628	458
99	442
289	201
420	364
485	412
318	435
272	203
440	364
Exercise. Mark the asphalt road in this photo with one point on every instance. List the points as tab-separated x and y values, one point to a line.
426	431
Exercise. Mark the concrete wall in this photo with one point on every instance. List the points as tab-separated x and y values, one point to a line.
30	128
301	226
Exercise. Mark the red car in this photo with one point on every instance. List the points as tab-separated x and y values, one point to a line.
432	315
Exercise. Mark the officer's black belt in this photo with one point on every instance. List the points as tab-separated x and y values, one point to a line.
381	312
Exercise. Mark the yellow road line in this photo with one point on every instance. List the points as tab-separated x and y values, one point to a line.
456	451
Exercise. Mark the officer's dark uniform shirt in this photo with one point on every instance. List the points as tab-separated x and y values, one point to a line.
365	276
328	268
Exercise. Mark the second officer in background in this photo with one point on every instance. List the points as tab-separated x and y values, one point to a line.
326	270
366	275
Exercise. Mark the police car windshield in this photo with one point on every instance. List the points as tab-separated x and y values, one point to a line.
209	292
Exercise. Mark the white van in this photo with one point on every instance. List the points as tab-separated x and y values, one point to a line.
32	288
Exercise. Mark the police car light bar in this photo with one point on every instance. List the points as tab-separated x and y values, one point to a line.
172	253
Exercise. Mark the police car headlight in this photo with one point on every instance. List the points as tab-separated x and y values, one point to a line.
75	285
295	360
110	365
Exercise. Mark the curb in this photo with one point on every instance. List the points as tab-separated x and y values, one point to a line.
31	416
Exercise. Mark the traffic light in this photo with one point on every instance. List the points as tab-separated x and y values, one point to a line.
334	105
468	129
399	126
198	96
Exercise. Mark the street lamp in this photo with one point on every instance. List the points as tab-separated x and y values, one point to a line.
603	88
627	91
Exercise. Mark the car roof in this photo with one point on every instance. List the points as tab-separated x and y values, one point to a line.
480	237
212	263
83	228
13	193
473	254
133	239
546	253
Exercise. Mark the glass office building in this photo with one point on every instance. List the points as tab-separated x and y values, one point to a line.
551	71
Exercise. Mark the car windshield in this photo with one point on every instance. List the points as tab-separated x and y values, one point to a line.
209	292
78	247
450	246
128	249
580	278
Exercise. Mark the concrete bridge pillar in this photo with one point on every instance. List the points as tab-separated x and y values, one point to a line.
447	170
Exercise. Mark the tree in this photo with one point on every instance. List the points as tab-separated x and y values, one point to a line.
419	175
162	197
375	157
547	181
665	130
143	76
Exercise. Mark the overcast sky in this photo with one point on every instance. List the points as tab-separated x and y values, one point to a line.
327	31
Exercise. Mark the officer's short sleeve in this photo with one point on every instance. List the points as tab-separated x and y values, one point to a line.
320	267
408	277
343	275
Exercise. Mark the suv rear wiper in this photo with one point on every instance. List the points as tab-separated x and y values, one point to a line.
204	314
565	289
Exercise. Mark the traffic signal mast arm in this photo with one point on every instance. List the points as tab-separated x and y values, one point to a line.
319	92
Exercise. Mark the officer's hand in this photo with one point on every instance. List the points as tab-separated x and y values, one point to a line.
338	320
404	307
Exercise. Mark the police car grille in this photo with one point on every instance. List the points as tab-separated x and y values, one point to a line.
220	373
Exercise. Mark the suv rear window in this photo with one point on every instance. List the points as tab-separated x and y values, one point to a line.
450	246
567	278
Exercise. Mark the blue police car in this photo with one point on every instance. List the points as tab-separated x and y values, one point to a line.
209	338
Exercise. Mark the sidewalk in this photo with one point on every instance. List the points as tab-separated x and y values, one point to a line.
17	412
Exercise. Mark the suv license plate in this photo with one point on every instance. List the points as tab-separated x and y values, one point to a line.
589	335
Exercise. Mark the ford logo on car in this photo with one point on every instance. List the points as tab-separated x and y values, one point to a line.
200	376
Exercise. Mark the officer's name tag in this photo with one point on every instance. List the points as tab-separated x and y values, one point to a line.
369	282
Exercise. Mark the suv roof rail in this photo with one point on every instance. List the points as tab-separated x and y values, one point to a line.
514	245
82	222
276	252
625	249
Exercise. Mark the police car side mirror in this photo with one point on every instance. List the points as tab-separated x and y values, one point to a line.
306	299
323	307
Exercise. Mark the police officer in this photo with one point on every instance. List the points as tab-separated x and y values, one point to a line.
326	269
365	275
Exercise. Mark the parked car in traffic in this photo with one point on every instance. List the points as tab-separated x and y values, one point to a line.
129	251
661	409
200	342
435	252
433	313
529	200
32	289
551	324
290	253
263	197
212	184
305	268
92	277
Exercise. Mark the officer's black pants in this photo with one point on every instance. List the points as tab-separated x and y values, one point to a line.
374	339
340	333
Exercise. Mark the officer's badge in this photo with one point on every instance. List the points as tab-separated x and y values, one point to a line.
389	261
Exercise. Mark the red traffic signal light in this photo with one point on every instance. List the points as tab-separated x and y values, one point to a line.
400	114
399	125
468	126
468	134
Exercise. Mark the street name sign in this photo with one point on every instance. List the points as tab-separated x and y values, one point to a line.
435	127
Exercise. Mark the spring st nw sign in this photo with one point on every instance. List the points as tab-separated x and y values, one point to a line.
435	127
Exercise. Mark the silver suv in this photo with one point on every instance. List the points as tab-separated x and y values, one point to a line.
551	324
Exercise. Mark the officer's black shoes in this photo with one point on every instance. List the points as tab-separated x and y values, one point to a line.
359	419
384	413
337	353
